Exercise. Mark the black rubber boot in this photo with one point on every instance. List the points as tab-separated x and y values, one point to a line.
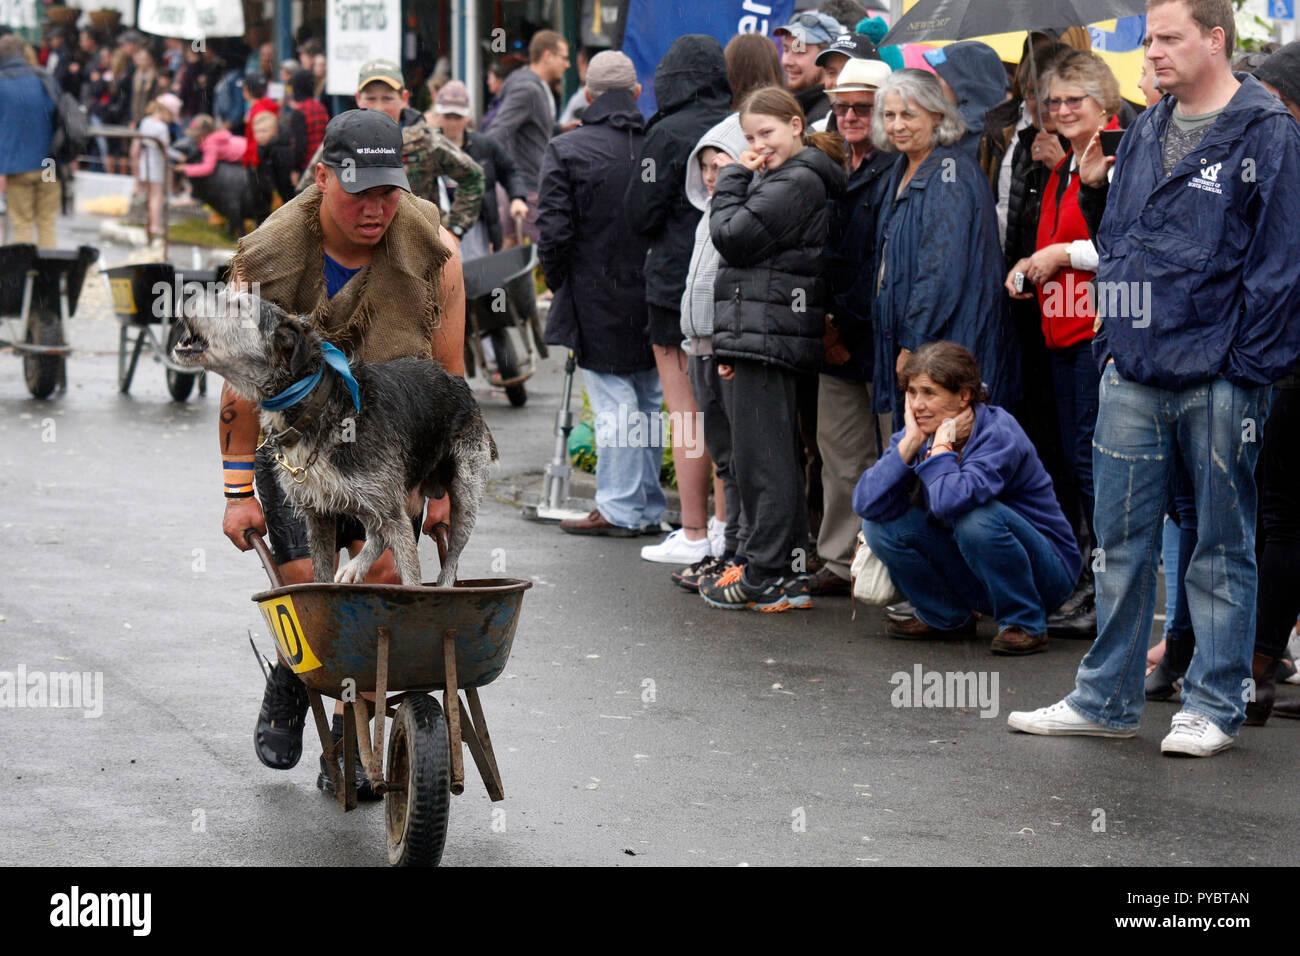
278	737
1264	672
1160	682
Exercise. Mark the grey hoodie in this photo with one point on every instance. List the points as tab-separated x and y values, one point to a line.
697	299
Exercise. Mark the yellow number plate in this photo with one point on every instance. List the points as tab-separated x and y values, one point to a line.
123	296
283	622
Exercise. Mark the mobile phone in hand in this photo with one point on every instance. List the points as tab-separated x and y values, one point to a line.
1110	141
1018	280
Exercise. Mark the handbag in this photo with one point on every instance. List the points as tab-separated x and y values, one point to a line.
870	578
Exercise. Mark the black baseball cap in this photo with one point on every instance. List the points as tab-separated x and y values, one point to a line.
364	147
853	45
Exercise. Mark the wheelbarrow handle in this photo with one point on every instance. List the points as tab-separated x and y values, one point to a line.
441	537
519	229
264	554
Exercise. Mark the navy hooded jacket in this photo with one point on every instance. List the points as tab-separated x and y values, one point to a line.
978	80
998	463
693	94
590	254
1207	256
943	274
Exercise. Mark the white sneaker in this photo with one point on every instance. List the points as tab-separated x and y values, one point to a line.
676	549
1061	719
1194	735
717	537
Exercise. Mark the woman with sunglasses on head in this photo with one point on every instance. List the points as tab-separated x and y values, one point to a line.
1083	97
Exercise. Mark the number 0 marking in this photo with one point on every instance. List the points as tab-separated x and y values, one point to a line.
287	631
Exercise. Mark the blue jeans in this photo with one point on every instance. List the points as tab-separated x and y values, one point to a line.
629	446
1216	427
992	561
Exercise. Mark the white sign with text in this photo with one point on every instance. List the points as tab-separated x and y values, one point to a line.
357	31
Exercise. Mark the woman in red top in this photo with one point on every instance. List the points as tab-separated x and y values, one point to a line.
1084	96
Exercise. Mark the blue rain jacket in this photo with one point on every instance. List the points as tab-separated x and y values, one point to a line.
1199	274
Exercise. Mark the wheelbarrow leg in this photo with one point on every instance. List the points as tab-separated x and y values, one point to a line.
372	754
480	745
350	758
327	744
63	326
450	704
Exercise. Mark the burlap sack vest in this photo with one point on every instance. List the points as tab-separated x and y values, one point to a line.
387	310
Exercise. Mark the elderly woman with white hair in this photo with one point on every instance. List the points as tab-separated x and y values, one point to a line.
938	263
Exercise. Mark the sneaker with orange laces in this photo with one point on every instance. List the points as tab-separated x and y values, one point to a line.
732	592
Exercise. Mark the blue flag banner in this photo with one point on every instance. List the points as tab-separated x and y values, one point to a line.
1128	35
653	25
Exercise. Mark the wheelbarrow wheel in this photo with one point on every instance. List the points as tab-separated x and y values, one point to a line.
179	384
419	757
42	372
503	348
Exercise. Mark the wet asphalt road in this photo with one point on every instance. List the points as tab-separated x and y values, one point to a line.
767	739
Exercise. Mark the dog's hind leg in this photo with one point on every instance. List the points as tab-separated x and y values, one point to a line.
355	571
321	533
466	492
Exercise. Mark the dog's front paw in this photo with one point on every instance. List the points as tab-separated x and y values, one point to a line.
354	572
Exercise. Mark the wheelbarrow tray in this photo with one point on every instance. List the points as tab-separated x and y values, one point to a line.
136	289
487	273
328	633
16	261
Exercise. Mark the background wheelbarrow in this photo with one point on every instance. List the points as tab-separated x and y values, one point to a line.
498	288
344	640
39	289
151	295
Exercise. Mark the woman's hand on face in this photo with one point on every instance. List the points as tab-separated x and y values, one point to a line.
913	438
751	160
1023	267
726	372
946	433
1047	149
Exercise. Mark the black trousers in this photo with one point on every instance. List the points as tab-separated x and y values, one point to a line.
1277	538
765	449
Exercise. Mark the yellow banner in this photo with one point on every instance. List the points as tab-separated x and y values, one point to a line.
1127	66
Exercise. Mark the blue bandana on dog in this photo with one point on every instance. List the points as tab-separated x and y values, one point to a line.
300	389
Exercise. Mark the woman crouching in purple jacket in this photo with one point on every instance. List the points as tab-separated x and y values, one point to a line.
963	514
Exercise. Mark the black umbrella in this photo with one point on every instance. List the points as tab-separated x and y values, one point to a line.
958	19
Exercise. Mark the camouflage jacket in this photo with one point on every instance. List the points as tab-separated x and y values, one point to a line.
427	154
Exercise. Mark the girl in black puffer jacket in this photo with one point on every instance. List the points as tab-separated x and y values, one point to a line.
768	221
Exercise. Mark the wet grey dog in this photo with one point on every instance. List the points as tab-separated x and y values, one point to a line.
418	433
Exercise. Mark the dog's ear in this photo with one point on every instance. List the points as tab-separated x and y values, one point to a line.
294	347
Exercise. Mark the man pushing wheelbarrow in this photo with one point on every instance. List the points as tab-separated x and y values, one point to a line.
340	253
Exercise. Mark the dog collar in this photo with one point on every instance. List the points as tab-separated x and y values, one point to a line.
300	389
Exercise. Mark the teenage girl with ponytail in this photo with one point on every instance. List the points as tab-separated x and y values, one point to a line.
768	220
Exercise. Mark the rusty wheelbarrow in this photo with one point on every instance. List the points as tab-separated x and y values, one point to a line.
345	640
